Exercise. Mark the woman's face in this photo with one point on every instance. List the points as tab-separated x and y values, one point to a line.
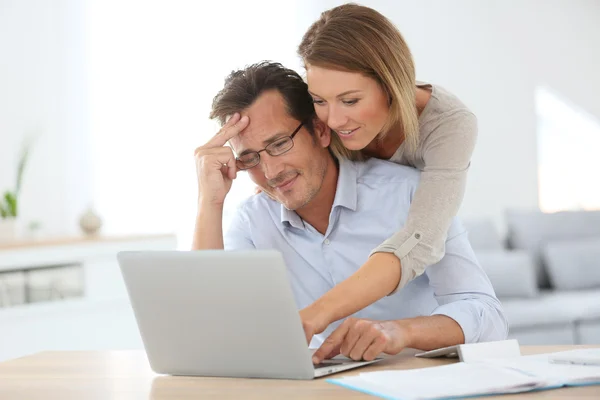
355	106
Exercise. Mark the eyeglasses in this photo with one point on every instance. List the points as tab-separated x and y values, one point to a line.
276	148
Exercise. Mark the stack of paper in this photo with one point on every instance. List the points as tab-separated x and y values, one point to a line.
578	356
514	375
555	375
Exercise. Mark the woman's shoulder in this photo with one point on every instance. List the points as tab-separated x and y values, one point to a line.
445	116
442	103
446	125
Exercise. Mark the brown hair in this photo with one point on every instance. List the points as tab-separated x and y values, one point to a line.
243	87
359	39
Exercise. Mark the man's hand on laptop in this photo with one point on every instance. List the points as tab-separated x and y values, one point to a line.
215	162
363	339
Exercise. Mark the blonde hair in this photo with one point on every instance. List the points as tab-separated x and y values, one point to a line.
359	39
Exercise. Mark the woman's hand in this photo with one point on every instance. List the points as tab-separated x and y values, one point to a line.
314	321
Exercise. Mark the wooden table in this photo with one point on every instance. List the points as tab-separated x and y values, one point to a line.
127	375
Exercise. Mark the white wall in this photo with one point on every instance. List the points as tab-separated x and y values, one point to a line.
151	90
493	55
42	94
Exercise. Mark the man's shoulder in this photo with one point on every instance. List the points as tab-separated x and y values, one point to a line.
257	204
376	171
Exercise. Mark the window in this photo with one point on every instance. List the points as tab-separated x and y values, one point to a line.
153	69
568	160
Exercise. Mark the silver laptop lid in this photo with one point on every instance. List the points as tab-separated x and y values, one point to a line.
217	313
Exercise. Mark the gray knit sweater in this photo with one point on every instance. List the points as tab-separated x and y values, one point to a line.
448	132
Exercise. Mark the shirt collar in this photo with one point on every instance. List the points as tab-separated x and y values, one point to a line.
345	194
290	217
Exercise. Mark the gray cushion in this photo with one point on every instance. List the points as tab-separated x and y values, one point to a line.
588	332
512	273
530	230
553	307
573	264
483	235
549	335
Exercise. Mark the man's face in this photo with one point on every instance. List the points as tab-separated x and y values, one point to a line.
295	177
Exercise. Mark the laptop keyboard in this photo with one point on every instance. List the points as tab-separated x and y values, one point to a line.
329	364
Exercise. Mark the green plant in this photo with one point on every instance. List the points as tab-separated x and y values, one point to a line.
9	201
34	226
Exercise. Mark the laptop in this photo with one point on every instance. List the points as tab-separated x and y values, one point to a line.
221	314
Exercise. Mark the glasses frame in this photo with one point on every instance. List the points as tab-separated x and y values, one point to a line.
240	165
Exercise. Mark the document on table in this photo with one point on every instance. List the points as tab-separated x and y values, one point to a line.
578	356
498	376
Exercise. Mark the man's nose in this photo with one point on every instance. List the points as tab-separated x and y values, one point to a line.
271	166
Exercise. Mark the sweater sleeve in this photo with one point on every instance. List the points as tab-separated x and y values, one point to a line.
447	151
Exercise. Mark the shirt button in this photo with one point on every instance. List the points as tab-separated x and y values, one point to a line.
326	241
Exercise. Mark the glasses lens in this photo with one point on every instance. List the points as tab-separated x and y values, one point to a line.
247	160
280	146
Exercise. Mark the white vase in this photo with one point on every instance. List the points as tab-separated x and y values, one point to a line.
8	229
90	223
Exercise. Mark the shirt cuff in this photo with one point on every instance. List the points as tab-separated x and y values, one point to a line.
465	316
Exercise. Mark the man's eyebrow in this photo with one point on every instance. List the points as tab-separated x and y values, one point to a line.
347	92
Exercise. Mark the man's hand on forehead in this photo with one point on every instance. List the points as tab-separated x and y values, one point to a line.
231	129
215	162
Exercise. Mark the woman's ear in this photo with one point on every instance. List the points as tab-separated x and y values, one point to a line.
322	132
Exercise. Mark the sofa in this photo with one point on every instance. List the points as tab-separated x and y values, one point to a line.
546	272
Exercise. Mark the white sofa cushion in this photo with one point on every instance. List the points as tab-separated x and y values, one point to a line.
512	273
531	230
545	335
483	235
573	264
553	308
588	332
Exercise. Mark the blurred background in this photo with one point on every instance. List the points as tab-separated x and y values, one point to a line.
102	103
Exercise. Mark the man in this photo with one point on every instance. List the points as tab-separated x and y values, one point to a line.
325	215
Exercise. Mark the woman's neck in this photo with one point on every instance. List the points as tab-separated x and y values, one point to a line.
385	148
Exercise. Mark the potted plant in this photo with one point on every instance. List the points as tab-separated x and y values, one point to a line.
9	201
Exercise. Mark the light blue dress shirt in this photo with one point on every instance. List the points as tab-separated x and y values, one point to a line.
371	204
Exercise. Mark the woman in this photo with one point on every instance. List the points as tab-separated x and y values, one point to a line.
361	75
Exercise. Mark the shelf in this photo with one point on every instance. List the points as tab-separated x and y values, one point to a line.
73	240
101	318
28	255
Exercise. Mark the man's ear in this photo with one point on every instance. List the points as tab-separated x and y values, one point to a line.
322	132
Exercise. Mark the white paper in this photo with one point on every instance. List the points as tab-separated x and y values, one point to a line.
509	375
578	356
554	374
458	379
